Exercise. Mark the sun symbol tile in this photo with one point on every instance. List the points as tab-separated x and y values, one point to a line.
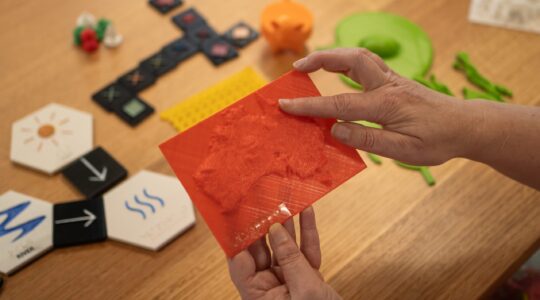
51	137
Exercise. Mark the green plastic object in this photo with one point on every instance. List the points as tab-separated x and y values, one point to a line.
472	94
383	46
374	158
433	84
423	170
403	45
77	35
101	26
369	124
463	63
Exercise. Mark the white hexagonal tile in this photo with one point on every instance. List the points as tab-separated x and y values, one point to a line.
51	137
148	210
25	230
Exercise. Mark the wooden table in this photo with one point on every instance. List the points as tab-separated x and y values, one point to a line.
384	234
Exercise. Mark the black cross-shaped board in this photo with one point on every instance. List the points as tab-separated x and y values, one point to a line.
180	49
188	19
111	95
159	63
137	79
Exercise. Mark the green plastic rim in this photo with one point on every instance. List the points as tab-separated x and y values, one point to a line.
415	49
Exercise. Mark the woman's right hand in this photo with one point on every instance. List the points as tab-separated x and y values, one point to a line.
421	126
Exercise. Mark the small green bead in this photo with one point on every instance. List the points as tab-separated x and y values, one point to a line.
381	45
101	26
77	35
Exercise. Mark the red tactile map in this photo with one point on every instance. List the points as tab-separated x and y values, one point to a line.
251	165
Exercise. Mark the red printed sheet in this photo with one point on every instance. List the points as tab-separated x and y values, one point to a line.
251	165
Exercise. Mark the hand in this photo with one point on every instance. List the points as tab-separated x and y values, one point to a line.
291	273
420	126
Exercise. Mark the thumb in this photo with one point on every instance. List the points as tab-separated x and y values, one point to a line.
297	272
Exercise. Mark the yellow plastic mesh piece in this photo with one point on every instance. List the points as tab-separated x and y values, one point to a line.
204	104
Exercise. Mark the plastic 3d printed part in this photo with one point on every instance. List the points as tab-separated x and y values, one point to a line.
200	106
26	230
111	38
148	210
403	45
51	137
286	25
251	165
433	84
496	91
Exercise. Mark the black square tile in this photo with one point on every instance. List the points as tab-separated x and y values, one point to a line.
137	79
94	173
180	49
188	19
164	6
219	51
201	34
134	111
110	95
159	63
79	222
240	35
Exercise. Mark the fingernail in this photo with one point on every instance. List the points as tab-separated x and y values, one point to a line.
300	63
284	102
278	233
341	132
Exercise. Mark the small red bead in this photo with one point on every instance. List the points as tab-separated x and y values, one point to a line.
88	34
90	45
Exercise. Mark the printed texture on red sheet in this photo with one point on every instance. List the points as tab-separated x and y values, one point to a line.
251	165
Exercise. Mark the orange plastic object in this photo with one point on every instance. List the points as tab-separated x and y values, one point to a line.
286	25
251	165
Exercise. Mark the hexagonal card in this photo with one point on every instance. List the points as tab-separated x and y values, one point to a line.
51	137
148	210
25	230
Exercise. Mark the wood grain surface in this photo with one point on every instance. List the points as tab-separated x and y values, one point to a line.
384	234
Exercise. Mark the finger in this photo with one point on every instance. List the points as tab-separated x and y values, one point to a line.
279	274
309	238
374	140
347	107
241	269
297	272
289	225
377	59
357	63
261	254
